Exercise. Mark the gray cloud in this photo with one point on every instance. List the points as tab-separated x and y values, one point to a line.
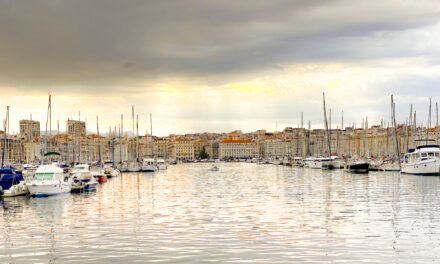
122	45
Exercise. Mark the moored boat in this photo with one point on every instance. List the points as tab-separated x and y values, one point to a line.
161	164
8	178
358	166
315	163
423	160
49	180
82	174
134	166
148	165
16	190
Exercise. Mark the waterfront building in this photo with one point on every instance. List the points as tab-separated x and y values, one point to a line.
183	149
238	148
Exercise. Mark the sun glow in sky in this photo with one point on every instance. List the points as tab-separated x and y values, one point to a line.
217	66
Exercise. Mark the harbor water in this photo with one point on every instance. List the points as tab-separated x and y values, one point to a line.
242	213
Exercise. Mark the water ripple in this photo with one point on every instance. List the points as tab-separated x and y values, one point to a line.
244	213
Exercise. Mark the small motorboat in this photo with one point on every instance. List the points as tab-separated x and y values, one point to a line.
214	168
82	174
49	180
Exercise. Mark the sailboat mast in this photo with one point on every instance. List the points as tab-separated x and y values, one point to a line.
326	125
132	118
99	142
4	141
393	118
137	137
429	122
301	134
151	134
121	131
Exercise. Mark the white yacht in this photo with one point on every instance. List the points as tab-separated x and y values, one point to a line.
161	164
149	165
82	174
424	160
49	180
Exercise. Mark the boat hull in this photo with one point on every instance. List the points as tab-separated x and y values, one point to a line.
16	190
161	166
358	167
315	165
48	189
429	167
149	168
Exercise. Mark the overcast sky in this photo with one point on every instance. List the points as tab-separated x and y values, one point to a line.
217	66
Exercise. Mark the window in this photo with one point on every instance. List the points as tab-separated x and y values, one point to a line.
43	176
424	155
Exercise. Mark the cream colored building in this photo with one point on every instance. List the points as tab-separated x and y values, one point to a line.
231	148
276	148
183	149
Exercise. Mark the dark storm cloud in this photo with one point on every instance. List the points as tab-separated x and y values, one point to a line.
106	44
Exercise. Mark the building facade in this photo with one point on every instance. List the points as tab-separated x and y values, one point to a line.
235	148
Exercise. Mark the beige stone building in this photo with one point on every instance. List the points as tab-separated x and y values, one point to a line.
245	148
183	149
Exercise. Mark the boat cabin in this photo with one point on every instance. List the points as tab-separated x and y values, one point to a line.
422	153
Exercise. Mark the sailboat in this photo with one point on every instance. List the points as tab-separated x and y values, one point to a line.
133	165
329	162
11	180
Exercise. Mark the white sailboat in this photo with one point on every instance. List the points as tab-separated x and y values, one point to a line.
49	180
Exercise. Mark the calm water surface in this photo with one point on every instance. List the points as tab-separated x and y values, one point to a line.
242	213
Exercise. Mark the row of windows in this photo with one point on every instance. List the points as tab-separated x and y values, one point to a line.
416	156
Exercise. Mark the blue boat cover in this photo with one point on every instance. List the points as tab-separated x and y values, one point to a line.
9	177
